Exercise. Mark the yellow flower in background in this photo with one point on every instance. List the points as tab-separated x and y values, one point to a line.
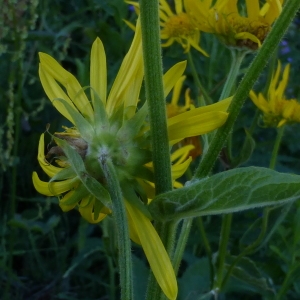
112	127
176	26
173	108
235	29
277	110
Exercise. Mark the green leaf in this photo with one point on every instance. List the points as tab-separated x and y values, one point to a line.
227	192
247	277
195	281
91	184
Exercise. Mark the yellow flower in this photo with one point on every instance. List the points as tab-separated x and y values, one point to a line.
113	127
234	29
277	111
176	26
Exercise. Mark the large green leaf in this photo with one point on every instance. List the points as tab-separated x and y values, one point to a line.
227	192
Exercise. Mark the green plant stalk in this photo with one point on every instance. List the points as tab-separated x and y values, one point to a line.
201	89
274	155
242	92
250	248
120	217
207	247
287	282
237	59
155	94
181	242
224	237
149	14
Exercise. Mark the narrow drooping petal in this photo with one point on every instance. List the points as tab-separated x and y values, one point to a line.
53	188
49	169
155	252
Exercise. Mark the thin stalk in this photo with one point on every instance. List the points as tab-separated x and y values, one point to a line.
250	248
120	217
287	282
207	247
237	59
274	155
202	90
270	44
181	243
224	238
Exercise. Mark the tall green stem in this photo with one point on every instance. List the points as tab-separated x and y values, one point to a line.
250	248
256	67
224	238
120	217
237	59
198	83
149	14
274	155
206	245
181	243
155	94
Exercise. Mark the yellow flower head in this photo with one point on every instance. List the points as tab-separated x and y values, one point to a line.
277	111
112	127
234	29
176	26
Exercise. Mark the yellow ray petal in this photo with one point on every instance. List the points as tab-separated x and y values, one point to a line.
54	92
74	89
86	209
53	188
219	106
179	169
181	154
283	83
259	101
155	252
98	70
252	8
67	207
177	90
172	76
46	166
178	6
165	6
127	84
196	125
249	36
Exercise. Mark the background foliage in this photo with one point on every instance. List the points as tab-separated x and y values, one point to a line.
47	254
